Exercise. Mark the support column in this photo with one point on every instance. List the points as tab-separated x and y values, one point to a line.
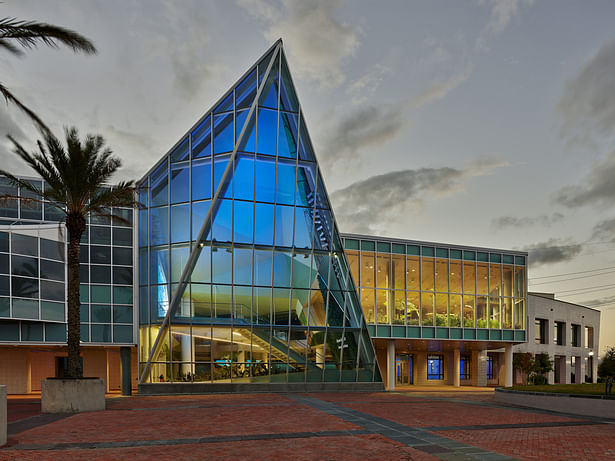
508	365
456	371
125	356
3	416
479	368
391	364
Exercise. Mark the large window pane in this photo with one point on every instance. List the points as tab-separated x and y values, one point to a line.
495	279
468	312
24	244
159	226
24	288
180	223
519	282
22	265
244	178
469	278
398	306
243	229
265	183
201	139
441	275
383	271
263	224
427	274
223	133
367	269
441	310
266	132
368	303
494	312
413	273
159	186
455	315
481	311
201	179
180	183
285	183
482	279
284	217
382	301
507	280
427	309
398	271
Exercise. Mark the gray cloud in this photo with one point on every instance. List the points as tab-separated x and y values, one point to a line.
587	105
597	302
440	89
394	194
604	230
365	127
552	251
318	42
597	188
500	15
544	220
362	88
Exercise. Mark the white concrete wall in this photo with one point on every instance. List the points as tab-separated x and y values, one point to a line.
553	311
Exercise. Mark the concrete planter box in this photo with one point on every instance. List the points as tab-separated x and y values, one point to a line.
585	405
59	395
3	417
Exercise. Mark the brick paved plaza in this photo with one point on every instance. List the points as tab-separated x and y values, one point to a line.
380	426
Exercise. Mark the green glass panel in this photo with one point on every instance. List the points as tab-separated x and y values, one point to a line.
520	260
398	248
5	307
455	254
441	253
101	294
412	250
384	247
25	309
122	334
427	251
469	255
351	244
480	256
508	259
55	332
495	257
367	245
52	311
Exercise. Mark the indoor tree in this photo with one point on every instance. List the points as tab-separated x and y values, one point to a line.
16	36
75	177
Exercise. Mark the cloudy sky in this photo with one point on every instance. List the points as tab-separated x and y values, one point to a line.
477	122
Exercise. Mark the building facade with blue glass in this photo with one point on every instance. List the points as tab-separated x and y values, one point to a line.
238	275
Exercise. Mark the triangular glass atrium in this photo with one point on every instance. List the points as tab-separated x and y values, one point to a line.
243	278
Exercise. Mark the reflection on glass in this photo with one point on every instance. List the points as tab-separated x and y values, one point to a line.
495	279
413	307
469	278
519	313
383	271
481	312
368	304
455	315
455	276
427	309
441	275
399	307
468	311
482	279
382	300
442	310
507	276
413	273
367	269
427	274
507	313
519	281
398	272
494	312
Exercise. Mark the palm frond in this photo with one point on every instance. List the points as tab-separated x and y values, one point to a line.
30	34
9	97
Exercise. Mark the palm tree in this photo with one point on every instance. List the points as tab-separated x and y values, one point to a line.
17	35
75	177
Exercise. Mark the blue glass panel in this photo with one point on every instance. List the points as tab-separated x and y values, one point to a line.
223	133
219	168
262	65
222	265
282	269
248	141
180	153
201	179
244	178
202	269
323	226
246	91
267	131
242	269
180	183
223	222
143	193
306	185
302	272
199	213
159	226
159	266
285	183
284	216
201	139
288	98
265	180
263	265
306	152
179	258
287	141
321	194
225	105
180	223
263	224
244	222
242	300
303	228
159	301
159	186
143	227
269	95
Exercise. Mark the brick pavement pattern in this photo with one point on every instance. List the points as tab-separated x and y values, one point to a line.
345	426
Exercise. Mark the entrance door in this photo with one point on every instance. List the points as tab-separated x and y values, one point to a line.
403	369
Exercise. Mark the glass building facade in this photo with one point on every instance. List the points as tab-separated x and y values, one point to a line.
412	289
242	273
33	278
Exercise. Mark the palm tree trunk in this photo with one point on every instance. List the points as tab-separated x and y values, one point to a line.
76	227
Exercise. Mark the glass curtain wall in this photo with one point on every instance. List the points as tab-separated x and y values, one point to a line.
417	285
269	297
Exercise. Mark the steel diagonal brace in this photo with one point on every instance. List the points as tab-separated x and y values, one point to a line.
205	228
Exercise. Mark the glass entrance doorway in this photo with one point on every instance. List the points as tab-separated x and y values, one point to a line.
403	369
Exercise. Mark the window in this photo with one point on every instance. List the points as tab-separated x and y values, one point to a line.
541	331
559	333
435	370
489	367
589	337
575	335
465	364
